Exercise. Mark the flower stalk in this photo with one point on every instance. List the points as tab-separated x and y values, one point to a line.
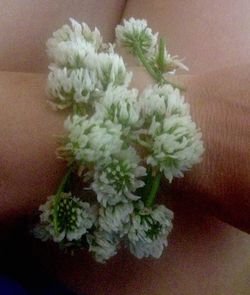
154	190
155	73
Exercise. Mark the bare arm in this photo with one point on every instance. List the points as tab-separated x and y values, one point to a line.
219	103
29	169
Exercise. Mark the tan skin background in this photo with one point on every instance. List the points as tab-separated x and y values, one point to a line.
204	256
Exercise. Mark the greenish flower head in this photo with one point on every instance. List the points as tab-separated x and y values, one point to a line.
65	217
66	211
117	178
135	33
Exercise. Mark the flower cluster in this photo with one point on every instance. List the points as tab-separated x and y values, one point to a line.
82	67
118	142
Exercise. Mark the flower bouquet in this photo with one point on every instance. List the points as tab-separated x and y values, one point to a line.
119	143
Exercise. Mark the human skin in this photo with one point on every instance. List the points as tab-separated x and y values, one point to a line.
204	255
30	171
209	34
26	26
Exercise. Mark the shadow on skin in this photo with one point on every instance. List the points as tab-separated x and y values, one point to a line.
204	256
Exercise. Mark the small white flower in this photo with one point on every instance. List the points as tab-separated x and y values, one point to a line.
117	178
149	230
119	105
69	87
115	219
66	217
70	46
90	140
176	145
161	102
135	31
110	70
71	54
103	245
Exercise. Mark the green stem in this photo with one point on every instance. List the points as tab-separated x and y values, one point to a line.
64	182
153	193
161	55
157	75
146	64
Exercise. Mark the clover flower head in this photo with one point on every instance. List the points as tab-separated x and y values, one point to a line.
117	178
82	31
149	229
161	102
135	31
110	70
90	140
68	87
65	217
71	45
176	145
71	54
115	219
103	245
120	106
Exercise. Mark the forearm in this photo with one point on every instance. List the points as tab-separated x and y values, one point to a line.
219	104
29	168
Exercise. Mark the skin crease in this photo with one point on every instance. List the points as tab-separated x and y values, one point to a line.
204	255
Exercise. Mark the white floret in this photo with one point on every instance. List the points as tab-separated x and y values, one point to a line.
90	140
102	245
115	219
149	230
161	102
176	145
110	70
69	87
70	46
118	177
119	105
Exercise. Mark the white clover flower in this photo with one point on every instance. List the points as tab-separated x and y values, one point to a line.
118	177
90	140
176	145
159	102
149	229
65	217
115	219
70	46
83	31
71	86
71	54
103	245
135	31
110	70
119	105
